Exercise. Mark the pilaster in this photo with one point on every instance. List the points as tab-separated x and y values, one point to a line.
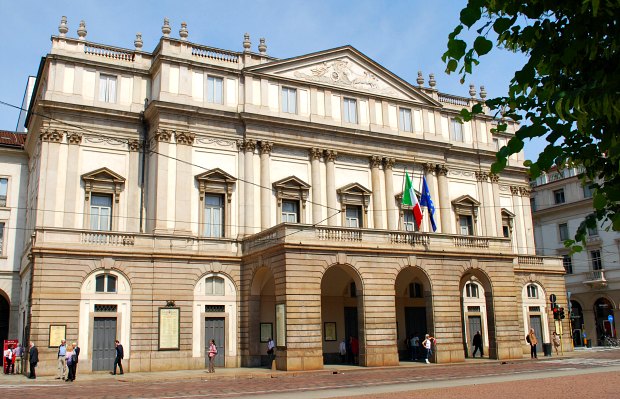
250	225
330	182
315	158
265	181
445	208
73	180
390	203
375	164
184	179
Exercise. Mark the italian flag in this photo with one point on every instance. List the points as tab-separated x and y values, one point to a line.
410	199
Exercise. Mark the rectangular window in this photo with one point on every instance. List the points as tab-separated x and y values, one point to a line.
567	261
107	88
214	286
214	215
558	196
588	190
506	231
593	231
405	120
415	290
457	130
101	212
350	110
466	225
289	100
353	216
215	90
563	229
4	188
290	211
533	204
409	220
595	258
496	144
1	238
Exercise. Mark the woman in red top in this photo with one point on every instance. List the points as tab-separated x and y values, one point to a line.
212	353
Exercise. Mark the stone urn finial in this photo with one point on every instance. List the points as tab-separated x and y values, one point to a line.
247	44
262	47
82	30
420	79
138	42
483	93
165	29
63	28
472	91
183	33
431	80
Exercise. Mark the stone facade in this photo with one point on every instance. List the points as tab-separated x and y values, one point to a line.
261	197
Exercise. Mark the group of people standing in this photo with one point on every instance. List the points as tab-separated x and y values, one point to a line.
349	350
68	357
420	349
13	359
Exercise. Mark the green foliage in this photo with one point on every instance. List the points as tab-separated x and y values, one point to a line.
568	90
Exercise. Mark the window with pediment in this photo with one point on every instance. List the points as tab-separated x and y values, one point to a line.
466	212
291	196
405	214
215	189
102	189
354	200
507	222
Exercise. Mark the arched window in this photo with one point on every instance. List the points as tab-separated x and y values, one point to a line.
415	290
471	290
532	291
105	283
214	286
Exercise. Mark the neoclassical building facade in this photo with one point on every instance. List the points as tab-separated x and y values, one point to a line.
192	193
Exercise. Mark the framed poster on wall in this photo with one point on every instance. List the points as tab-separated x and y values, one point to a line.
281	324
58	332
266	331
169	331
329	331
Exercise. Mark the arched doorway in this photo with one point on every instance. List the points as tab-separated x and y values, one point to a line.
576	318
262	305
477	312
603	309
341	310
535	313
414	315
5	316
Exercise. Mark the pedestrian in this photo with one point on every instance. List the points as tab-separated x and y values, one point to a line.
118	360
531	339
342	349
271	347
76	358
212	354
33	358
556	343
69	363
62	360
415	346
477	342
8	359
428	346
349	351
355	349
18	353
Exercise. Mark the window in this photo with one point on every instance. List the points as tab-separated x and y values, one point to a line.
558	196
289	100
415	290
214	215
105	283
567	261
4	188
471	290
101	212
588	190
506	231
593	231
215	90
1	238
353	216
507	222
214	286
290	211
466	225
353	289
457	130
496	144
405	120
595	258
350	110
107	88
532	291
533	204
563	229
409	221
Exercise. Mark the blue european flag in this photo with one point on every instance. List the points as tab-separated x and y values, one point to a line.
425	200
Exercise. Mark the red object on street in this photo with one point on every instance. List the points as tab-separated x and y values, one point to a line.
7	342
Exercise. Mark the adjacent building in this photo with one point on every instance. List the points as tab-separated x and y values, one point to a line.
191	193
560	202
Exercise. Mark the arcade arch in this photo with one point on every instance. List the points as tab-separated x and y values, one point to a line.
262	316
477	312
535	313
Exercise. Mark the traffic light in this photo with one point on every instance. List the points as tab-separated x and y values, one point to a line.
562	315
556	313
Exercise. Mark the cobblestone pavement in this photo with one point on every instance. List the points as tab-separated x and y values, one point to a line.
334	381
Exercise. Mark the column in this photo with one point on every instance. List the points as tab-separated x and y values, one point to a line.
429	169
265	182
133	189
527	219
390	202
240	188
315	157
250	225
375	177
445	209
494	178
160	169
330	181
73	180
517	230
184	180
50	150
487	204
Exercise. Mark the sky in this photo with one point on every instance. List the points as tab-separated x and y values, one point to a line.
405	36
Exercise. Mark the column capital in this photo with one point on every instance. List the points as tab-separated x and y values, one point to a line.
266	147
481	176
163	135
375	161
184	138
514	190
330	155
250	145
494	177
52	136
441	170
134	145
388	163
315	153
74	138
429	167
525	191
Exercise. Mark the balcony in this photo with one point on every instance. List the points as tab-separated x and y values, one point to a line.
595	279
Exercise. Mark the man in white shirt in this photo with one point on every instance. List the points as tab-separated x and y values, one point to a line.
8	359
271	352
62	360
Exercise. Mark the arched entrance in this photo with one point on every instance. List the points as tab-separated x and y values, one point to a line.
341	310
477	312
576	318
5	316
414	313
603	309
262	305
535	313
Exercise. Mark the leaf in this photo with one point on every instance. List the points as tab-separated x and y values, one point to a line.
502	24
482	45
599	201
470	15
452	65
456	48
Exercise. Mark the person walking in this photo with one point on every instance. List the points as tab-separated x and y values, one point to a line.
33	358
8	359
118	360
428	346
531	339
271	347
415	346
477	342
76	358
342	350
556	343
212	353
62	360
18	354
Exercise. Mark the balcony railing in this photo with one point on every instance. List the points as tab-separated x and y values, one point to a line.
107	238
595	279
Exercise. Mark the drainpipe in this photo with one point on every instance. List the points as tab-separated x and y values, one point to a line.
143	133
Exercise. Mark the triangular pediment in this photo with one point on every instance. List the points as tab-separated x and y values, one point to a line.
292	182
354	188
217	175
345	68
103	175
507	213
465	200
